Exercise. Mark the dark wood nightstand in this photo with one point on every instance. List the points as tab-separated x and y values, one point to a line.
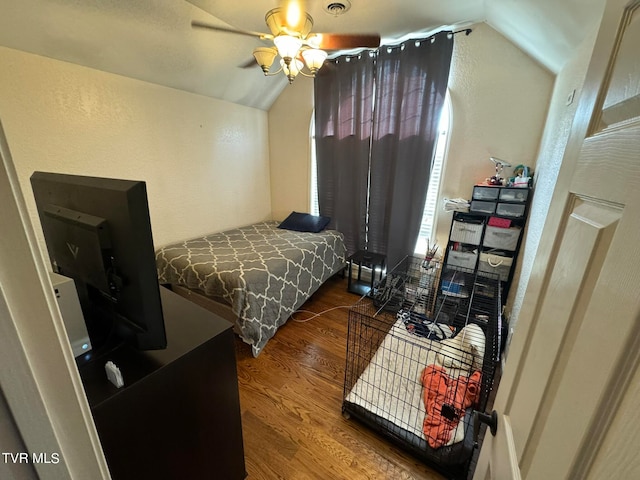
365	258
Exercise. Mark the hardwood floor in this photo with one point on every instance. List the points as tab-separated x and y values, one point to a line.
291	397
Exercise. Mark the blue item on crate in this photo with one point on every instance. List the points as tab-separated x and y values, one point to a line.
452	287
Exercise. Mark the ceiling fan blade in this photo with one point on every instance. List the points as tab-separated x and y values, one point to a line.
339	41
261	36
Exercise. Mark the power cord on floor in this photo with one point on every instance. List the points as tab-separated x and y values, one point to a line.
314	313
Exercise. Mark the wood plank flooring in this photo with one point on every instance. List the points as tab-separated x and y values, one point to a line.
291	396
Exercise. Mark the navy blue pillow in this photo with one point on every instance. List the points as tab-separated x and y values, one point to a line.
305	222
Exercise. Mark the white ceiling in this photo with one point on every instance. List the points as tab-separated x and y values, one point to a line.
153	40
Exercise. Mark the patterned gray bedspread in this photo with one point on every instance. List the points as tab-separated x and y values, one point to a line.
264	273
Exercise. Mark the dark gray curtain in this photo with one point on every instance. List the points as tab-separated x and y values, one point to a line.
376	123
411	83
343	111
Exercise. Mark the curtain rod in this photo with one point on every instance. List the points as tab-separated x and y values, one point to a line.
466	31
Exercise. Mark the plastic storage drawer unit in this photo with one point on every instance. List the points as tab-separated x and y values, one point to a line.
482	206
514	194
485	193
510	209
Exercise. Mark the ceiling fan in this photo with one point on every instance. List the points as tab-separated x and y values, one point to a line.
291	38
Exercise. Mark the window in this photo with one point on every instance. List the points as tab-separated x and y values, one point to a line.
430	205
433	189
314	207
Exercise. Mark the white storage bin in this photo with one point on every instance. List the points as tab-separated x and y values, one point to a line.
465	232
510	209
501	238
462	259
496	264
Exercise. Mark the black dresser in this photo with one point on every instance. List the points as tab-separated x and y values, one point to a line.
178	415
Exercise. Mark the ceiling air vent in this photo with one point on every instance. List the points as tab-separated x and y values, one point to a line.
337	8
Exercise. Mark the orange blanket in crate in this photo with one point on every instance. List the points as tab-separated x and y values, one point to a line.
456	394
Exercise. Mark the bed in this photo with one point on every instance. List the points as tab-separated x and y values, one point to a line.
260	273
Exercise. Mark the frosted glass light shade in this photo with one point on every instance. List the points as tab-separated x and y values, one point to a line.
314	58
265	56
293	69
287	46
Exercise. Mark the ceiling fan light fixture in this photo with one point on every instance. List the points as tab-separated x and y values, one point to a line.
292	69
314	40
265	57
293	41
276	20
293	15
288	47
314	58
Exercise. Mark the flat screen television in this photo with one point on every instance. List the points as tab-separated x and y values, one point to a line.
98	232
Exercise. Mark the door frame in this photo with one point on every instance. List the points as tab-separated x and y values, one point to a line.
42	386
584	124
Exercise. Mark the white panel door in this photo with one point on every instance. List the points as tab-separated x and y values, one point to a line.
569	398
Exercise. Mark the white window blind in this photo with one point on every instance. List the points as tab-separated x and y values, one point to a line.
314	208
433	189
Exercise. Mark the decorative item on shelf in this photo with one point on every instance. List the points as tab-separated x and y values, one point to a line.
429	256
499	222
522	176
497	178
456	205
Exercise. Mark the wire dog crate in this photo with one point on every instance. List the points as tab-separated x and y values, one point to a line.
422	351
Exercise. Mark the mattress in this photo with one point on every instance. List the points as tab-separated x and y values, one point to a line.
262	272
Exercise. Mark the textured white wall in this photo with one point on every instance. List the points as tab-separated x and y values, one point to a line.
500	98
554	142
205	161
289	148
12	441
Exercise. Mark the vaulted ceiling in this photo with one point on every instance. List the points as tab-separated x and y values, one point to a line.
152	40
